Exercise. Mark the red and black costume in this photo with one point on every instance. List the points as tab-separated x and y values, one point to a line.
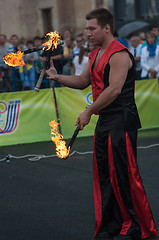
121	205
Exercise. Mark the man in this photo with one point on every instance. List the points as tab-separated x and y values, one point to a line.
38	64
67	55
14	41
150	57
155	30
121	206
4	69
135	49
4	46
76	49
56	56
121	40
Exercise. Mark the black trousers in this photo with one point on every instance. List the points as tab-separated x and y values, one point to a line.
121	205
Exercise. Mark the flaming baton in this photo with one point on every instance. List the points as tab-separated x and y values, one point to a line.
16	59
57	138
62	150
54	38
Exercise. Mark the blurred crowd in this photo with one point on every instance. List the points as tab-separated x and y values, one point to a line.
71	56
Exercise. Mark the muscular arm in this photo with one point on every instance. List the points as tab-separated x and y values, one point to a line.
72	81
120	63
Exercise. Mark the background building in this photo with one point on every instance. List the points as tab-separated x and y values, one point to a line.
30	18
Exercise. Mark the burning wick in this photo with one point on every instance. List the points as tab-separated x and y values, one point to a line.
61	149
54	38
15	59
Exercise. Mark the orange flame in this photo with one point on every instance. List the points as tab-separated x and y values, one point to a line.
61	149
14	59
54	38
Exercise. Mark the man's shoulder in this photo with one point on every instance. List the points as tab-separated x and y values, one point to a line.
11	49
144	49
75	48
7	45
120	58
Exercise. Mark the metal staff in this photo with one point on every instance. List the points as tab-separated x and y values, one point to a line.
45	65
35	49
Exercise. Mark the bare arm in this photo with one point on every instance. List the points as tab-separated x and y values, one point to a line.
72	81
120	64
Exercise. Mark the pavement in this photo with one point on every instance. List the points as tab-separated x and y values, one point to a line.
46	198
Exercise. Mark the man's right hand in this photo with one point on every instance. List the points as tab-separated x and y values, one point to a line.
51	73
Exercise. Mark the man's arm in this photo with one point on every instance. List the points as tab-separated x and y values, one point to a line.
72	81
120	63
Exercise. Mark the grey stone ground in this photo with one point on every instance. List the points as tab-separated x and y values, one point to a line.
52	199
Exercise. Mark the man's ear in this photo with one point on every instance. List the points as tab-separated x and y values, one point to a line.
107	28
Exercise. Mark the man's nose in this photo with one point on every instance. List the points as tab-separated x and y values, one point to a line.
89	33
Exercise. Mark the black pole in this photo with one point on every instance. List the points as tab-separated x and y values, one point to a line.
34	49
57	112
74	136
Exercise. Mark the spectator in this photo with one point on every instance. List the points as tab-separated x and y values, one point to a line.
90	46
142	37
23	69
57	55
150	57
121	40
79	42
85	38
80	61
135	49
31	60
4	69
14	41
15	70
155	30
67	33
67	55
38	63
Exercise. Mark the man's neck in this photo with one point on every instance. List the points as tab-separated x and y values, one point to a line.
106	44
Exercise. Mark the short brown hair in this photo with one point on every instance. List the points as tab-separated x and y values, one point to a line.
152	34
103	17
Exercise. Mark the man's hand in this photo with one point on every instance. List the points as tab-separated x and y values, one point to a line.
152	73
83	119
51	73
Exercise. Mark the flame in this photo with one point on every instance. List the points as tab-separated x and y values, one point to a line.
14	59
61	149
54	38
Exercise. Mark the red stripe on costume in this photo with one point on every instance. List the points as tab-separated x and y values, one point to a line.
113	178
138	195
97	194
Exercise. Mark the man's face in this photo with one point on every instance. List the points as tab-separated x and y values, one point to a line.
68	41
30	45
37	42
2	40
95	33
135	41
150	39
14	40
79	41
155	31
